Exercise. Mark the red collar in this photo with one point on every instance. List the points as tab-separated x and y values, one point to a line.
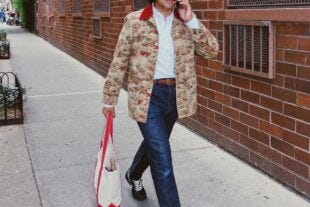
147	13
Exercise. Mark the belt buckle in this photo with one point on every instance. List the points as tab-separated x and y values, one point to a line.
170	82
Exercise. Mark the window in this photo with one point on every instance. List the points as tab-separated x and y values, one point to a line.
43	22
51	21
102	6
249	47
77	7
42	8
267	3
271	10
51	7
96	29
45	9
139	4
62	8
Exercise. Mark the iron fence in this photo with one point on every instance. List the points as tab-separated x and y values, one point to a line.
4	46
2	35
11	99
5	52
239	4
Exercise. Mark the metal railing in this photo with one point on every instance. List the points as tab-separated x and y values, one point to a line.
249	47
4	46
11	99
266	3
5	52
2	35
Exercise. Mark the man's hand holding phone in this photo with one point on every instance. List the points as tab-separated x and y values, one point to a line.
185	10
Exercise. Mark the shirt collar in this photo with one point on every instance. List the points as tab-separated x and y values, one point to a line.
147	13
159	15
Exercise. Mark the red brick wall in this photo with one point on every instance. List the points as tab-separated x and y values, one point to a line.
265	122
73	33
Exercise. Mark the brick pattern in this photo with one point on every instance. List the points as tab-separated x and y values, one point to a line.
265	122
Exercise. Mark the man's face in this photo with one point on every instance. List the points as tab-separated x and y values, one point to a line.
165	4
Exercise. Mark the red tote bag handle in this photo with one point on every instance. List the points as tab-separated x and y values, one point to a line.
108	131
104	144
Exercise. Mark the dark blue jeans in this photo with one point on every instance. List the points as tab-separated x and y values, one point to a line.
155	148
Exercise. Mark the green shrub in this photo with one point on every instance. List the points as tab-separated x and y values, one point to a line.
9	95
25	8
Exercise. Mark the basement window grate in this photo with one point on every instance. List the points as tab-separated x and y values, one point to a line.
51	7
139	4
238	4
43	22
102	6
62	8
249	47
77	6
45	9
51	21
96	29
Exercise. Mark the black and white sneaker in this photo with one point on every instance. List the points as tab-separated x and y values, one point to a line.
137	189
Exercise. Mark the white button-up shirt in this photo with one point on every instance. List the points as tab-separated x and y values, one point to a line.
165	59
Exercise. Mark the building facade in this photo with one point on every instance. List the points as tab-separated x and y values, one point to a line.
254	98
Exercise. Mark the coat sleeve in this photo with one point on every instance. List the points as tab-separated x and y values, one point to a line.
206	44
119	65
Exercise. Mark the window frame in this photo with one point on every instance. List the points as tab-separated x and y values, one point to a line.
92	28
102	13
134	5
43	22
272	46
79	13
58	12
51	7
267	13
271	14
267	4
51	21
45	8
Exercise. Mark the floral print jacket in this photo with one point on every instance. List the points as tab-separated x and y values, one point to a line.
136	51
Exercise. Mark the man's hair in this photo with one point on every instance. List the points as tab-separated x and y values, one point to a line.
151	1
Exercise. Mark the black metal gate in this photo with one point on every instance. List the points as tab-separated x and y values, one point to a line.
11	99
4	46
239	4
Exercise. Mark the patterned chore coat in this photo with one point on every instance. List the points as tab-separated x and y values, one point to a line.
136	51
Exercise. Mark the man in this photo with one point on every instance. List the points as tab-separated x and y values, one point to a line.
2	16
156	46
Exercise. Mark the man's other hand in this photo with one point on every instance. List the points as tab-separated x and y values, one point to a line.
107	110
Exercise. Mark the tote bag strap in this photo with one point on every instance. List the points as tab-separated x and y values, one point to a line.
104	144
108	133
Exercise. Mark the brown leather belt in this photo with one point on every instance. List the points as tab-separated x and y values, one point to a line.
165	81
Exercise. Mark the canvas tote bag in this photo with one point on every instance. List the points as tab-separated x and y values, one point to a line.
107	181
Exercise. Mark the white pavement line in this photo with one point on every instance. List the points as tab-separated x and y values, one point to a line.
63	119
193	149
67	166
64	94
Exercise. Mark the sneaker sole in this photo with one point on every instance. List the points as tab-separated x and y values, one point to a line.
127	178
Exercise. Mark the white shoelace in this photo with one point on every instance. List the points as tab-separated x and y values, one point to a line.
137	184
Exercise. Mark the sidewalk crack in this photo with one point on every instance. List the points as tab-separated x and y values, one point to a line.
32	168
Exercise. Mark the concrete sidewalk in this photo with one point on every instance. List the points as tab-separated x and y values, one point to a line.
49	161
